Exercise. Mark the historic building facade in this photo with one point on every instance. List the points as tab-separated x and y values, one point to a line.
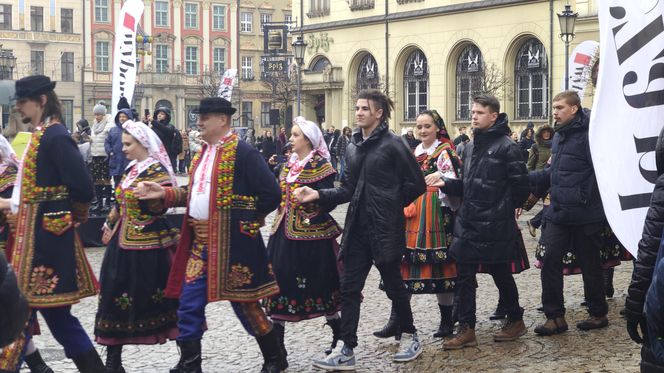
437	54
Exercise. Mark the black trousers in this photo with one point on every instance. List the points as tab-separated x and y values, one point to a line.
358	257
586	241
536	221
466	289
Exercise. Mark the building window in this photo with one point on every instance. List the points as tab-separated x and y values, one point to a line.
67	20
161	13
219	17
367	74
37	62
219	59
101	11
265	18
415	85
191	60
246	21
361	4
320	64
67	66
319	8
531	81
468	80
161	58
5	17
288	18
68	113
191	15
101	56
265	113
37	18
247	113
247	68
7	71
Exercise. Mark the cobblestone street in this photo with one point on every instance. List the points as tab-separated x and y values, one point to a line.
227	347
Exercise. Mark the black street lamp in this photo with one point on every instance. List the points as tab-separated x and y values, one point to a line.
7	64
567	21
299	47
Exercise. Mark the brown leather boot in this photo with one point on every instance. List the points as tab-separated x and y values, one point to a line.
511	331
593	322
465	337
552	326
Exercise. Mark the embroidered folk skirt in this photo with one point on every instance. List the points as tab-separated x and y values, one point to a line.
427	266
132	308
99	170
308	276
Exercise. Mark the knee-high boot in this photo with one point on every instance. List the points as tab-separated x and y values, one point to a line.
446	322
190	357
269	345
280	329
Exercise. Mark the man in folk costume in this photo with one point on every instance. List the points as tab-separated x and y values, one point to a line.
221	255
52	196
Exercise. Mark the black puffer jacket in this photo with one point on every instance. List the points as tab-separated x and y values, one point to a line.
14	307
649	243
165	130
575	196
495	183
389	181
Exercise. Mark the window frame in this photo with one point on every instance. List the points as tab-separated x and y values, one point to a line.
415	76
102	11
246	26
368	76
160	13
102	60
526	72
215	61
188	17
67	67
162	63
36	26
6	15
265	115
37	66
216	17
188	62
249	67
69	18
469	81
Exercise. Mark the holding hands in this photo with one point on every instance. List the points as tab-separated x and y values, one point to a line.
149	190
434	180
306	194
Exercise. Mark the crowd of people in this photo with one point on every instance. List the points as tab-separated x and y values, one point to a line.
427	211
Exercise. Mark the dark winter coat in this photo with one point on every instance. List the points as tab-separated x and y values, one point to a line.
494	185
117	161
341	145
381	177
575	198
165	130
540	151
14	307
268	147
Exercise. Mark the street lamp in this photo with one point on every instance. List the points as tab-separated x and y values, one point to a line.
567	20
299	47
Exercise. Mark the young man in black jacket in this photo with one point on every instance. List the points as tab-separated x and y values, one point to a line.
494	186
381	177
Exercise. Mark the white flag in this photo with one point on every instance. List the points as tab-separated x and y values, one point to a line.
124	52
627	112
581	63
226	84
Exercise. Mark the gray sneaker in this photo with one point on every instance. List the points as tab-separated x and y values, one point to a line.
409	348
342	358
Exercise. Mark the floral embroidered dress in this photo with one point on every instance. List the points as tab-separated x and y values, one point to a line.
303	248
7	181
132	308
427	266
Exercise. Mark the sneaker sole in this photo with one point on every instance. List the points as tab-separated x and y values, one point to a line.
404	360
334	368
469	344
510	339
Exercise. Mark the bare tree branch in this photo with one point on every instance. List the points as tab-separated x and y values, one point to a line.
494	82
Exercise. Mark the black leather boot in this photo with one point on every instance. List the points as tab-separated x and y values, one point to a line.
608	282
391	329
446	322
280	329
89	362
37	364
190	357
98	201
114	359
269	345
335	324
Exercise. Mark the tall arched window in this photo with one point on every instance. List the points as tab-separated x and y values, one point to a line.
531	81
367	74
320	64
470	67
415	85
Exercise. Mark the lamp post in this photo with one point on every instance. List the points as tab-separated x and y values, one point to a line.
299	47
567	21
7	64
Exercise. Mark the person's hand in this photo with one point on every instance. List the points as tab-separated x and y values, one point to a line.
149	190
306	194
5	204
434	180
113	216
273	160
633	323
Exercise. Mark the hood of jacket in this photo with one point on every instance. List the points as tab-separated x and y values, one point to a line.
126	112
540	133
166	111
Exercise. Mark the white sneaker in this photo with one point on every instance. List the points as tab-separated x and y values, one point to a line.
409	348
342	358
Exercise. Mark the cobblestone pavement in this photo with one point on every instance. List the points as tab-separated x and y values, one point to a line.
227	348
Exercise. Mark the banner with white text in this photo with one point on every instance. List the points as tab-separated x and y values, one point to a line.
627	112
124	52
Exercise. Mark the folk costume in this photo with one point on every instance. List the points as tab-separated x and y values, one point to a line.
221	254
8	171
53	194
132	308
303	246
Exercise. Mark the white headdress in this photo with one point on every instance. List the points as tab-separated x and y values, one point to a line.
149	139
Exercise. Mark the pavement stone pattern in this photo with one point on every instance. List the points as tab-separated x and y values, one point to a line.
227	347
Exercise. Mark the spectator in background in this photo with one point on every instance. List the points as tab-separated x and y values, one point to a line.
166	131
99	164
282	137
411	140
117	161
194	141
184	158
526	142
329	133
462	137
82	138
250	137
340	149
268	146
334	158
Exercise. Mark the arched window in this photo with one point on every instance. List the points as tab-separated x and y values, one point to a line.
320	64
415	85
367	74
531	81
470	68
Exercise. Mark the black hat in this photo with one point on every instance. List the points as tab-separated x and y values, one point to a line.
214	105
33	85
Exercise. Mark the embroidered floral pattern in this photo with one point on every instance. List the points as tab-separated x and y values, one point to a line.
124	301
301	282
196	268
239	276
43	280
30	192
226	171
282	304
56	222
158	297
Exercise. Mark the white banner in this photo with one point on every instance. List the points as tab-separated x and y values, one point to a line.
227	83
627	112
581	63
124	52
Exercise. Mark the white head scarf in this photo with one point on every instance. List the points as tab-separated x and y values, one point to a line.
315	136
149	139
7	155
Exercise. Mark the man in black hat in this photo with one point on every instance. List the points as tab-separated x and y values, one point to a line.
221	255
51	199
